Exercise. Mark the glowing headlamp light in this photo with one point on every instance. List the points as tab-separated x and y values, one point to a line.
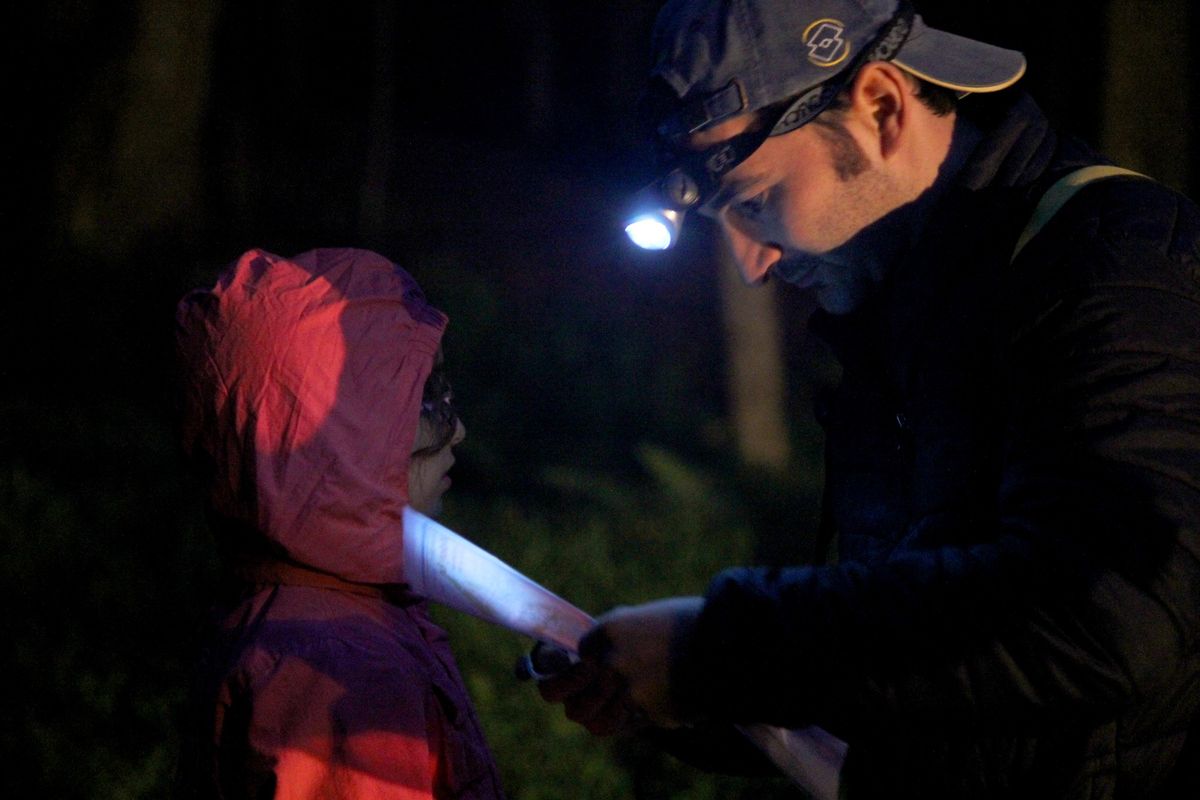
657	211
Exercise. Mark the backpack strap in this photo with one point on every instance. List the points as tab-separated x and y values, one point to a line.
1058	194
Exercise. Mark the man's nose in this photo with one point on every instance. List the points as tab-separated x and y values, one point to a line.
460	432
754	258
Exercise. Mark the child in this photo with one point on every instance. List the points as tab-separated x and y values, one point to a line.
316	408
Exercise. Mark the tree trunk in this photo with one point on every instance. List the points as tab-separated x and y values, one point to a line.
627	69
540	55
373	207
148	179
1147	92
756	376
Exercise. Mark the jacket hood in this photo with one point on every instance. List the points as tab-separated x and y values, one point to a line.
302	383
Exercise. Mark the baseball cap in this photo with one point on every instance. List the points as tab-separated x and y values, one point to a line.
721	58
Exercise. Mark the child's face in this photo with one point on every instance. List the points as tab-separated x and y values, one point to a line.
427	478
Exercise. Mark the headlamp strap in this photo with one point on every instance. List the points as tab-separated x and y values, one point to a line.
706	167
891	38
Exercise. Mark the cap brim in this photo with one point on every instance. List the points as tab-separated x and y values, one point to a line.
958	63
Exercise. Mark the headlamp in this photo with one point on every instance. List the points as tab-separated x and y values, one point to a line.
656	215
657	211
655	229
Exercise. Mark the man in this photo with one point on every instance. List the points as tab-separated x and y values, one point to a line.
1013	452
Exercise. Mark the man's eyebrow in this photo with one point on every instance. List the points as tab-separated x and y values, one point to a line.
727	192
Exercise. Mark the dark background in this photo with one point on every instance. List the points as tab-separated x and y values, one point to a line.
485	146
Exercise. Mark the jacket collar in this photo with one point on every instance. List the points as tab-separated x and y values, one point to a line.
1016	156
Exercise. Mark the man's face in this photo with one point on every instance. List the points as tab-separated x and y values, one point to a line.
795	207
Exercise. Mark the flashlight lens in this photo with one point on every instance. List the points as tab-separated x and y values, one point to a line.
650	232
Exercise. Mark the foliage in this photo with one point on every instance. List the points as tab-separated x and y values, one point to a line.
102	570
107	565
601	544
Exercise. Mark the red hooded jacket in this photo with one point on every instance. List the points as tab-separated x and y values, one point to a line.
325	678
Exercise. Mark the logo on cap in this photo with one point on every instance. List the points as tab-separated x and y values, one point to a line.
826	45
720	162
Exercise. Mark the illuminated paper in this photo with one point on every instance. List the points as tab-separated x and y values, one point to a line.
448	569
811	756
445	567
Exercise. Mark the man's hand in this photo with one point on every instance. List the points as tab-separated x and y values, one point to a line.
593	695
637	643
623	679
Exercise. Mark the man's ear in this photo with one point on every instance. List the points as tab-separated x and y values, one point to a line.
880	97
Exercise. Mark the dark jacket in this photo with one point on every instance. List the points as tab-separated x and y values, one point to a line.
1013	477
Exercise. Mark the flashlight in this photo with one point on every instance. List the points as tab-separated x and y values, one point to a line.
543	661
658	209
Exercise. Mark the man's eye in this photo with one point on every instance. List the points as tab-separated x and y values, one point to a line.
752	206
